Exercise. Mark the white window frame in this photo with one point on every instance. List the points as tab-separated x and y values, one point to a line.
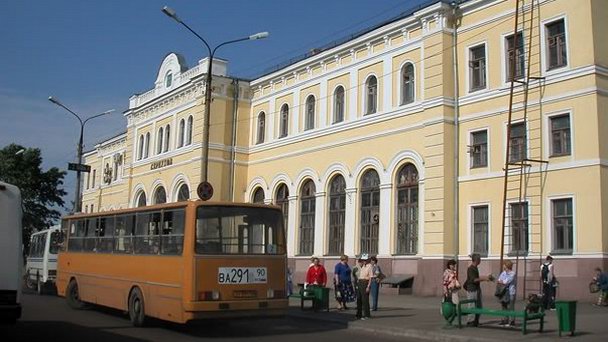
549	219
547	137
364	95
314	112
401	103
470	230
504	137
257	129
470	142
279	126
503	56
543	45
333	105
468	76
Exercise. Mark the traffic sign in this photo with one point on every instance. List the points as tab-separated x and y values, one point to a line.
79	167
205	191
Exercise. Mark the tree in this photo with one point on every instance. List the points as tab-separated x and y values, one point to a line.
41	192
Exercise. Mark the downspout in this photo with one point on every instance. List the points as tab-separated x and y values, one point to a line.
456	233
235	110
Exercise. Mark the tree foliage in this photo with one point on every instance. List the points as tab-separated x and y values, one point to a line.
41	192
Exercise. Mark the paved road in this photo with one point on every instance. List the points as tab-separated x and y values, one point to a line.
48	318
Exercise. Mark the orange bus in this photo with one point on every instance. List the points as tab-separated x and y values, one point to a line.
177	261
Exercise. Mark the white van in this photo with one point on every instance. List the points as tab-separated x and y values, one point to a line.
11	252
41	266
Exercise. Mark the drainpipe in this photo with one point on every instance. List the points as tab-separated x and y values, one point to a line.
235	109
455	7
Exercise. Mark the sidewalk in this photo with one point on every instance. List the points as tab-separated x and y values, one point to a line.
419	317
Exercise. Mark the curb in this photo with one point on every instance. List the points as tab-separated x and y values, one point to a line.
389	331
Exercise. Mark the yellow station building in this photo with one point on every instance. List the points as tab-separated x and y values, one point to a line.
369	144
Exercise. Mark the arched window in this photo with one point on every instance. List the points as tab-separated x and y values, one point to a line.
168	79
407	210
160	196
167	137
407	84
310	113
282	200
159	141
147	145
140	150
258	196
371	95
189	131
261	127
284	122
338	105
141	199
180	134
337	211
183	194
370	211
307	218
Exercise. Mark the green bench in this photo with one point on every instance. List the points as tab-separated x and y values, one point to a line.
524	315
318	296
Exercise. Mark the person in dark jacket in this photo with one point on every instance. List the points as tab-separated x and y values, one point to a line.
601	279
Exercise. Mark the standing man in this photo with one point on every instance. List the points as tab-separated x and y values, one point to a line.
363	288
549	282
472	286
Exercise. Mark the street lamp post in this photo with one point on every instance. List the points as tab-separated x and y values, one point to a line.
77	196
205	143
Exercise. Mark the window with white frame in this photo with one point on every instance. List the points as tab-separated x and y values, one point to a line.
371	95
180	134
477	67
310	113
307	217
168	79
519	227
167	138
562	222
407	83
515	56
159	141
261	128
560	135
337	214
338	104
479	149
518	150
556	48
480	221
189	131
147	145
140	150
284	122
93	179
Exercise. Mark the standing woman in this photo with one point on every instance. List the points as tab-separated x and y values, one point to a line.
343	285
450	282
316	275
507	300
375	282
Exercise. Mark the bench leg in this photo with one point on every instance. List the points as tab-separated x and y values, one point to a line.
459	319
542	324
524	329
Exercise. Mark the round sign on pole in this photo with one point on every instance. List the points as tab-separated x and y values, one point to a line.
204	191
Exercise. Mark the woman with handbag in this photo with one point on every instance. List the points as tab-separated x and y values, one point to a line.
505	291
451	285
343	285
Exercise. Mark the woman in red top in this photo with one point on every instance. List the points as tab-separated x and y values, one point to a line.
316	274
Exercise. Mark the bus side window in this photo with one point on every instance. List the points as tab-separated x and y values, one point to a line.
123	242
172	234
106	235
90	238
146	233
55	242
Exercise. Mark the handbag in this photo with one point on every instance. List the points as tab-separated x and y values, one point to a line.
501	290
594	288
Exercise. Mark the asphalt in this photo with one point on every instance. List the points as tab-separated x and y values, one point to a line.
419	318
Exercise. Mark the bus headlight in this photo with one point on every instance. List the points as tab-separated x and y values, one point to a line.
209	295
270	293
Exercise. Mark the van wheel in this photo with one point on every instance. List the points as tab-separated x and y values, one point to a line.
137	312
28	282
72	296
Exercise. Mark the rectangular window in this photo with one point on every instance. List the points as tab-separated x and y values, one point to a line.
518	143
562	225
90	239
477	67
556	45
560	135
479	149
94	175
172	233
123	241
519	228
480	230
105	242
147	228
514	46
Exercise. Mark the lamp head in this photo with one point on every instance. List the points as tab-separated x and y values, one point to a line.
171	13
54	100
259	35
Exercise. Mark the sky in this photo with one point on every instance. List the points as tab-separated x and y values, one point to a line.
93	55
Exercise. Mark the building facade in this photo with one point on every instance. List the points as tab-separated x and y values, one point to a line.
374	146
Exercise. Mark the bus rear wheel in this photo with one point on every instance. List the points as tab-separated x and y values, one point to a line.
72	296
137	312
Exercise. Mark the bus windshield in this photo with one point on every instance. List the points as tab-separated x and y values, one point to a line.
239	230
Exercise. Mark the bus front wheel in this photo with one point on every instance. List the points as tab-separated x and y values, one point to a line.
72	296
137	312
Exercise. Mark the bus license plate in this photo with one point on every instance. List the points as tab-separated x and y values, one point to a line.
241	275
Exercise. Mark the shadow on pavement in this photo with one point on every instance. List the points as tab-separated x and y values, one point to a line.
59	331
